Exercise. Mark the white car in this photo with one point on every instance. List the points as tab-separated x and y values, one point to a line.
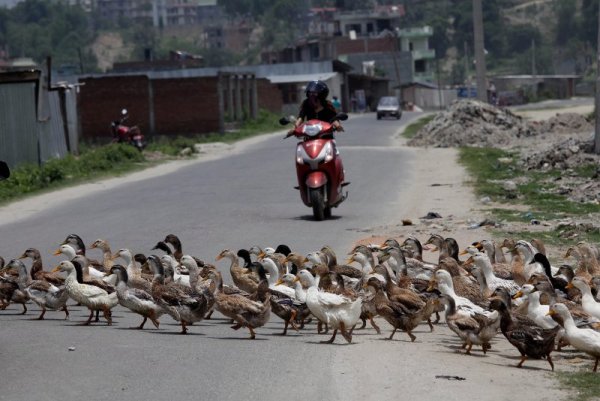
389	106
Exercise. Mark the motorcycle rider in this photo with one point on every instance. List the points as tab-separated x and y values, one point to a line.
316	106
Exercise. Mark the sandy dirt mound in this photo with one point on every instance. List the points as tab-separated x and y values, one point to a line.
473	123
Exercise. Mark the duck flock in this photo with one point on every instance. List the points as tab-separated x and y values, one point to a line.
539	308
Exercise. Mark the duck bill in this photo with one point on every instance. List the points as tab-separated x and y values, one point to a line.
57	252
55	270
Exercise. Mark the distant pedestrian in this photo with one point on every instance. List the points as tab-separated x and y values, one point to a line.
336	103
353	103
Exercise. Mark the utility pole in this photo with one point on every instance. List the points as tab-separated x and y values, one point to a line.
597	105
479	56
533	70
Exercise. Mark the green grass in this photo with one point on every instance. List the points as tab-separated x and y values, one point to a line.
95	162
585	384
414	127
490	168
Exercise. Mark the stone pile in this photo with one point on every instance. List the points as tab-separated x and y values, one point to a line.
470	122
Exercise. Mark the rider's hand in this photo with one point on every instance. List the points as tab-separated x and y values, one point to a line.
289	133
339	128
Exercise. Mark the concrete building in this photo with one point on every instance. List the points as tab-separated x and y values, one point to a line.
416	41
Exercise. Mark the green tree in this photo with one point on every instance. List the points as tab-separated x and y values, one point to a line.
566	24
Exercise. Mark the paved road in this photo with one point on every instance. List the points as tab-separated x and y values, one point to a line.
243	199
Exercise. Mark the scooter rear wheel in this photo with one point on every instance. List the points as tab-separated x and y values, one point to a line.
318	205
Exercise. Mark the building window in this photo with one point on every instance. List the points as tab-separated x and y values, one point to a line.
420	66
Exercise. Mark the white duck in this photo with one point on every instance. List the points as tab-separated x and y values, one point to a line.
70	252
443	280
535	310
585	340
170	262
93	297
43	293
337	311
273	278
482	260
589	304
134	299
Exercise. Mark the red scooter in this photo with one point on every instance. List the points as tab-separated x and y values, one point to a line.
319	166
124	134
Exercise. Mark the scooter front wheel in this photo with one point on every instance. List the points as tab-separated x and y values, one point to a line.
318	204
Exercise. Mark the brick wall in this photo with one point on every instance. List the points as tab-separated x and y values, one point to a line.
101	100
182	106
269	96
186	105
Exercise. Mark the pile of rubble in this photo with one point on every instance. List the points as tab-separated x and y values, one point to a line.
563	142
470	122
566	123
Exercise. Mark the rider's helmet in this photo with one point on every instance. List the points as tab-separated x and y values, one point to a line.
319	87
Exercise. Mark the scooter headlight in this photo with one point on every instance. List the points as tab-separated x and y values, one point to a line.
299	155
329	153
312	129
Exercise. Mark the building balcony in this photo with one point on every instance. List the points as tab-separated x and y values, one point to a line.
424	31
423	54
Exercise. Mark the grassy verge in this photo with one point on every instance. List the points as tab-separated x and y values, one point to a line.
96	162
413	128
586	384
491	168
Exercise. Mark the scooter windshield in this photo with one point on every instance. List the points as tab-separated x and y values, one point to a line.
312	129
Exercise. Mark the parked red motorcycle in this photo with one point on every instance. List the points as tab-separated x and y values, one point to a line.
125	134
318	166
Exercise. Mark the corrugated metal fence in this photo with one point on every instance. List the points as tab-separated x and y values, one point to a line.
36	125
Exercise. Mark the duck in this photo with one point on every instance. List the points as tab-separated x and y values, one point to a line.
175	242
589	304
70	252
94	298
556	282
37	269
135	277
489	247
174	267
443	281
18	294
245	312
395	313
517	262
242	278
287	308
184	304
78	245
473	328
483	261
535	309
336	311
462	281
585	264
410	299
531	340
135	299
273	280
448	247
107	259
329	257
585	340
41	292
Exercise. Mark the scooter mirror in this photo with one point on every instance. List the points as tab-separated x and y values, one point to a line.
4	171
284	121
342	116
124	111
